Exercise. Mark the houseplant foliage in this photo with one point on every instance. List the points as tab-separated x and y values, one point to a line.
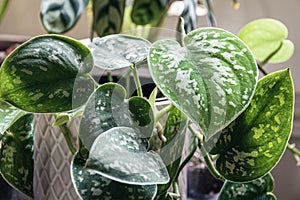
210	78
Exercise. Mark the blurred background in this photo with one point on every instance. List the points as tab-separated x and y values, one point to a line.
22	18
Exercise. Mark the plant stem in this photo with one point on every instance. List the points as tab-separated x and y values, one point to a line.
176	188
163	111
3	8
210	14
295	152
66	132
174	195
211	166
137	80
197	134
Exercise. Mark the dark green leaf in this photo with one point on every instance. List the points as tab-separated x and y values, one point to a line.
211	79
48	73
148	11
8	115
264	37
121	155
253	144
16	154
119	51
108	108
259	189
171	150
59	16
108	16
90	185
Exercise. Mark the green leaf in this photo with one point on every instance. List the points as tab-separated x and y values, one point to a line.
119	51
265	37
148	11
259	189
90	185
171	151
254	143
211	79
121	155
59	16
108	16
49	73
8	115
16	154
108	108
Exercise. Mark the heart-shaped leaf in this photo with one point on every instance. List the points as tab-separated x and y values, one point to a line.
259	189
253	144
211	79
108	16
8	115
108	108
266	37
171	151
48	73
119	51
121	155
16	163
147	12
92	186
59	16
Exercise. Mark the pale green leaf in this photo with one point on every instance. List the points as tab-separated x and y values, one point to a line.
92	186
59	16
49	73
16	155
118	51
265	37
108	108
121	154
211	79
259	189
254	143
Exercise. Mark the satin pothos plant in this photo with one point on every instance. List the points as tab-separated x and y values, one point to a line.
210	81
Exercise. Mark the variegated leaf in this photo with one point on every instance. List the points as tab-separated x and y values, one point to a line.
148	11
108	108
121	154
254	143
119	51
59	16
49	73
16	163
171	151
211	79
108	16
259	189
92	186
8	115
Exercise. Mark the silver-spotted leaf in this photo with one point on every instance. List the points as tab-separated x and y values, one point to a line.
121	155
16	155
108	16
259	189
211	79
266	37
92	186
119	51
49	73
59	16
8	115
254	143
148	11
108	108
171	150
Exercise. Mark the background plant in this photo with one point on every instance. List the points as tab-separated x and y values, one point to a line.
211	80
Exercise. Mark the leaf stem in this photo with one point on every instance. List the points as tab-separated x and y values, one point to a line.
137	80
176	188
211	166
66	132
174	195
163	111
